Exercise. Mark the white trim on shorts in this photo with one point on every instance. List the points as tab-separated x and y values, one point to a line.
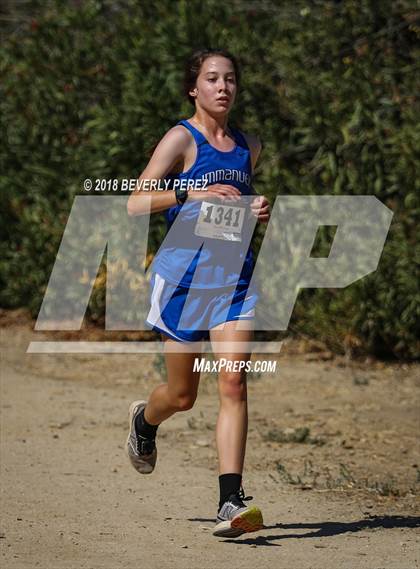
154	316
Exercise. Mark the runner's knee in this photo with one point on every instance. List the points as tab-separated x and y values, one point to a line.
233	386
183	402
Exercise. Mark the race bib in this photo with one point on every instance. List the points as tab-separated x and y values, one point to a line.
219	221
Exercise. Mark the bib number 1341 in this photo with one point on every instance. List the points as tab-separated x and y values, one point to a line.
220	221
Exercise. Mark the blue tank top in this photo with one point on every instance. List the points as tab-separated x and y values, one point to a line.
212	263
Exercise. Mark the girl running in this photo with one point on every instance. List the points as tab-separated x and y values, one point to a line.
203	147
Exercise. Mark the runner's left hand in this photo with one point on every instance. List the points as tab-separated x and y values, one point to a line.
260	207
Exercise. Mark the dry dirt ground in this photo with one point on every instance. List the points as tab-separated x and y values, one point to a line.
332	460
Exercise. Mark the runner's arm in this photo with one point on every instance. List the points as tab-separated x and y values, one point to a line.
170	150
260	206
255	146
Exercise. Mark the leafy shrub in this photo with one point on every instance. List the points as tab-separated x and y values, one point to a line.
89	88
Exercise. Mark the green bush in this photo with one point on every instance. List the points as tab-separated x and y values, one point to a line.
89	88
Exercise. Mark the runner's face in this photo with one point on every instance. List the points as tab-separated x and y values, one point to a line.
216	85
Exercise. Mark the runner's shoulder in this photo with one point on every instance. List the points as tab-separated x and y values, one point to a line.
178	136
173	146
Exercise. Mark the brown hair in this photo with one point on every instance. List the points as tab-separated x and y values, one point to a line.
194	63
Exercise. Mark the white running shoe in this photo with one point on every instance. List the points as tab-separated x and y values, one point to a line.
141	451
235	518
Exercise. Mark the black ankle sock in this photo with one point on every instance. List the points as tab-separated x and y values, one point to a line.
143	427
229	484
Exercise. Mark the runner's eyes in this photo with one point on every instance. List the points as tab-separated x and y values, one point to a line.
230	79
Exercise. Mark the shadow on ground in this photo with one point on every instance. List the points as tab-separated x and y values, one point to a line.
325	529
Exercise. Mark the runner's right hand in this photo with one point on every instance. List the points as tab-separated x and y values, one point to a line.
223	192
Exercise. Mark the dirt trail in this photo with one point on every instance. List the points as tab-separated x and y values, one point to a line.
332	460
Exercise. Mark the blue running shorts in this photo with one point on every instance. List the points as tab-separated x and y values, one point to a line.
172	315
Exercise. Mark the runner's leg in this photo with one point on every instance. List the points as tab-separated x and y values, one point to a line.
180	391
232	422
234	517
